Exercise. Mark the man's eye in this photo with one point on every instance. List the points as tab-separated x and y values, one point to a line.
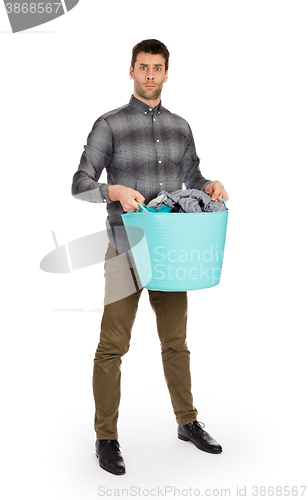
158	69
142	67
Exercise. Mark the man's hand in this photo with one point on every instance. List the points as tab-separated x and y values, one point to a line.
126	196
216	191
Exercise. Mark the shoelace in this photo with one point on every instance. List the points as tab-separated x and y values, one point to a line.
199	426
114	443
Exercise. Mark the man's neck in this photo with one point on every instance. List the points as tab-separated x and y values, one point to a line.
150	103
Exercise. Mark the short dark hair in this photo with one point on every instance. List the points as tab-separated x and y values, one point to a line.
153	47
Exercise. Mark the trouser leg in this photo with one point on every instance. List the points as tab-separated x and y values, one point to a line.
121	303
171	316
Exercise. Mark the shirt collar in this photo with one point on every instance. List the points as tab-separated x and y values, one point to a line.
143	108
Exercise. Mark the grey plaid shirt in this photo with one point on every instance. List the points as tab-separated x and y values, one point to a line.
146	149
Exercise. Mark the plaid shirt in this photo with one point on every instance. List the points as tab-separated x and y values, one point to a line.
146	149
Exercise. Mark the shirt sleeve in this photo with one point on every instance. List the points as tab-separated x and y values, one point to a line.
94	159
192	177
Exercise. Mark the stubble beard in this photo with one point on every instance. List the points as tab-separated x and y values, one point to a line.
148	94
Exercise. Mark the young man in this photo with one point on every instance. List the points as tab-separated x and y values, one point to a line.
145	149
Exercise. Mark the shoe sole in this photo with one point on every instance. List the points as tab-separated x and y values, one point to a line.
110	471
184	438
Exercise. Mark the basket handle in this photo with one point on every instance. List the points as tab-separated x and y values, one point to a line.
143	207
224	202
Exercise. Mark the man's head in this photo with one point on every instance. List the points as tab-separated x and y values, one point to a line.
149	70
153	47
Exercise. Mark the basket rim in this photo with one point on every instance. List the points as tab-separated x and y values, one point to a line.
172	213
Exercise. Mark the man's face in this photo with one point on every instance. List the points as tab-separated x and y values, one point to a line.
149	76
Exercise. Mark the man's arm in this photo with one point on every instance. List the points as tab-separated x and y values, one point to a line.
94	159
193	179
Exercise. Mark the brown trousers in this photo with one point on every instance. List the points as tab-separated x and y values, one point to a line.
122	294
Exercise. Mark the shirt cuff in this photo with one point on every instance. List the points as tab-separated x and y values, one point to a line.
104	193
205	184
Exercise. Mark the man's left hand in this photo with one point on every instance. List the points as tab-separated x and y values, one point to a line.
216	191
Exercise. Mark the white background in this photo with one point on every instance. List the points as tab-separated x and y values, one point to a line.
238	74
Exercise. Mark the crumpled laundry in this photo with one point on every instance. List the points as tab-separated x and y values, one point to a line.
186	200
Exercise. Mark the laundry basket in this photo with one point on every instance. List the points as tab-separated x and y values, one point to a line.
178	251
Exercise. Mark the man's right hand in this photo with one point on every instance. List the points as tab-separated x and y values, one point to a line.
126	196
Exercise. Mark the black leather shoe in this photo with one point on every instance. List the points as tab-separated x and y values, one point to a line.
194	432
109	455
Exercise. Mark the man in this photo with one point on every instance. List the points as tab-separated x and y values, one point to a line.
145	149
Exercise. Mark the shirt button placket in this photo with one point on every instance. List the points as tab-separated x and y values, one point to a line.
158	150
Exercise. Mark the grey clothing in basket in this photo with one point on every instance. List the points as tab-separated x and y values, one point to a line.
187	200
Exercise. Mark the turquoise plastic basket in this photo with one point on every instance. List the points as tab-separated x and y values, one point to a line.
178	251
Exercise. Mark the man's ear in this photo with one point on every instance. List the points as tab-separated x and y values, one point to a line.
166	76
131	73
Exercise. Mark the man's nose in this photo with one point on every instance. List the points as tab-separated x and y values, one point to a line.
150	75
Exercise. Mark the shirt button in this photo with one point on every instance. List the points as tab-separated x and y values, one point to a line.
157	140
159	112
145	112
160	183
159	161
153	119
150	109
